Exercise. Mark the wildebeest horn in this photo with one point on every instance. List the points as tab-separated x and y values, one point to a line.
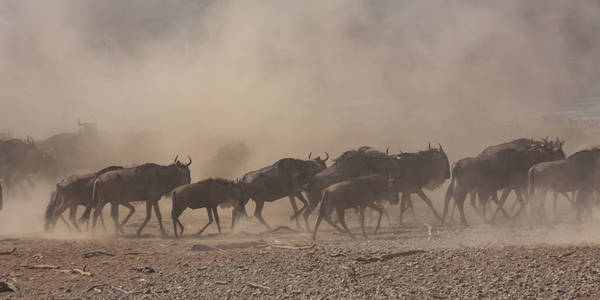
441	149
309	155
176	157
326	158
190	158
429	146
387	151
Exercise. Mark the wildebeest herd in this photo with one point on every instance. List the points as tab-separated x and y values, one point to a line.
360	179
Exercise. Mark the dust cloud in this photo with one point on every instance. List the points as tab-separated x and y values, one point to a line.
286	78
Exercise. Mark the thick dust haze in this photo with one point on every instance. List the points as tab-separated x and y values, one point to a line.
286	78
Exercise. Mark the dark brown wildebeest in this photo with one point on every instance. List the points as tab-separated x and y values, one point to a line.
351	164
210	193
486	175
71	192
359	192
426	169
18	161
579	172
412	172
148	182
285	178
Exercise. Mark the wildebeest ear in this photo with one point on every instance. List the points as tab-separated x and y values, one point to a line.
309	155
387	151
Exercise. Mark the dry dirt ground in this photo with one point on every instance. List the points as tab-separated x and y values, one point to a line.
513	261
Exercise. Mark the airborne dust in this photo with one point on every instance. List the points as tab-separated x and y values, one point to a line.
283	79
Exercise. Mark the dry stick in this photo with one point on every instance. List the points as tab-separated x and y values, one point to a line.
40	267
566	254
257	286
367	275
116	288
8	252
96	253
280	246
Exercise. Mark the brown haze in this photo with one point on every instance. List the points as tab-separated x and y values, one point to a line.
290	77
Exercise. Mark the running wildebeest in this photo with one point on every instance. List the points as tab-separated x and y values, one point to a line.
352	163
578	172
147	182
71	192
360	192
210	193
425	169
486	175
18	161
285	178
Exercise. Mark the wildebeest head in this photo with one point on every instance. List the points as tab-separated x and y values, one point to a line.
320	162
181	170
430	167
391	192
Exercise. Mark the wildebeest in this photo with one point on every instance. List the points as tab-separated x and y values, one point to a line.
579	172
18	161
352	163
210	193
485	175
147	182
284	178
360	192
71	192
425	169
518	144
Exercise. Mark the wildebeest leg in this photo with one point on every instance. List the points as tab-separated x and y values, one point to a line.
258	213
101	222
175	213
295	209
403	205
148	216
500	205
97	213
131	211
428	202
378	209
340	214
452	213
555	194
64	221
114	213
361	219
72	213
58	215
522	202
313	200
411	207
214	210
210	220
163	232
303	200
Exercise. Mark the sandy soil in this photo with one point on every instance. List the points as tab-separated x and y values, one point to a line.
509	260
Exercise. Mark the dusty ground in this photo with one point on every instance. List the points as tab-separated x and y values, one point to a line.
508	261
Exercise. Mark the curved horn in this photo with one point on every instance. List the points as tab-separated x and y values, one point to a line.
190	158
326	158
429	146
387	151
441	149
309	155
176	157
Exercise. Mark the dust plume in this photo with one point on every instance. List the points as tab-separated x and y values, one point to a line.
287	78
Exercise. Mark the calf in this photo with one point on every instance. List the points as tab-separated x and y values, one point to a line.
210	193
360	192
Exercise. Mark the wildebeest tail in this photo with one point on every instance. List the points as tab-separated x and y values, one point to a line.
531	182
93	201
322	210
448	196
51	208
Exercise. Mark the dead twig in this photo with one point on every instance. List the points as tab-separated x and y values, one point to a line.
257	286
280	246
8	252
221	282
40	267
97	253
82	272
567	254
116	288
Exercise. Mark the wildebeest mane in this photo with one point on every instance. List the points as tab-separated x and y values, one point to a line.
218	180
584	152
